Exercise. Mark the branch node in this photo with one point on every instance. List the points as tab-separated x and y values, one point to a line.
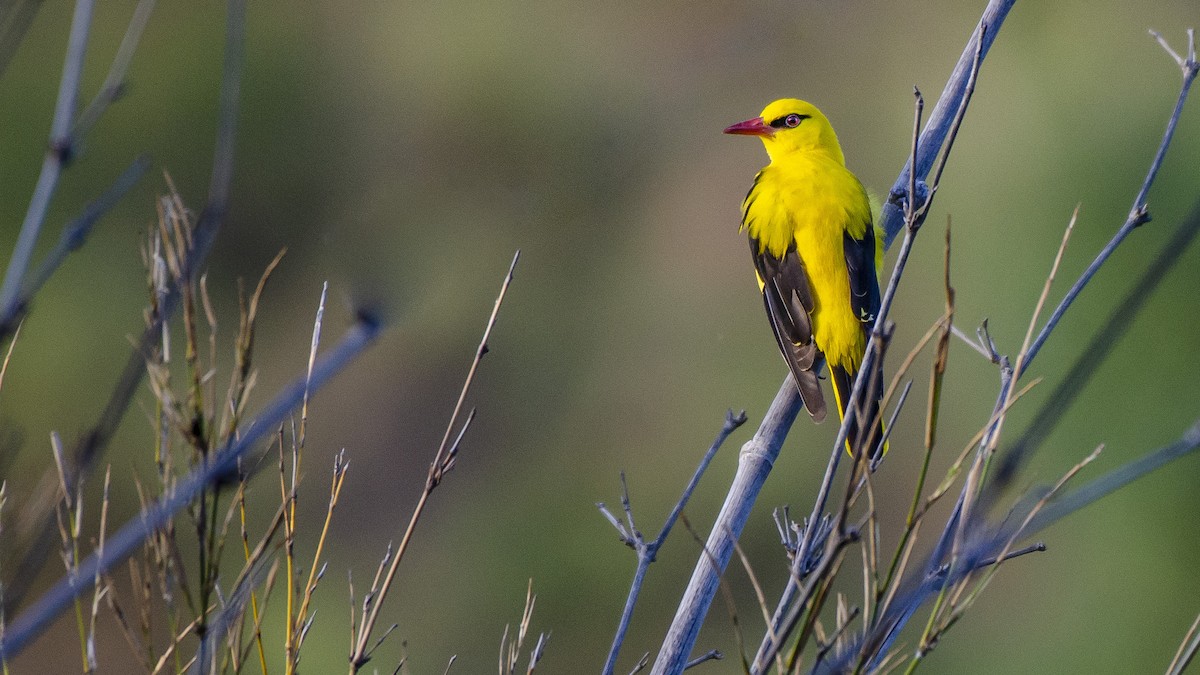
63	149
757	449
1140	215
1188	63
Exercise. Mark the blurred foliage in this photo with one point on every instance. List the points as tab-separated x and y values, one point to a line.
404	150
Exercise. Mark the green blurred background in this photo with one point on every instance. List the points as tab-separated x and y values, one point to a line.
403	151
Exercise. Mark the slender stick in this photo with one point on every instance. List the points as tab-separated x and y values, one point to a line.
944	113
114	82
75	233
1187	650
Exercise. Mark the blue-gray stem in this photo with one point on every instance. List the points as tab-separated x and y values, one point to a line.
1138	215
114	83
785	611
221	183
73	236
56	157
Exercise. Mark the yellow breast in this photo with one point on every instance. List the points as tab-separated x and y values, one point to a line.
812	201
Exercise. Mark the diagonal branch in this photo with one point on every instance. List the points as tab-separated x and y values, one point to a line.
92	443
1139	213
121	544
943	114
760	453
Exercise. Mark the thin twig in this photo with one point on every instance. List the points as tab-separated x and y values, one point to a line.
15	19
973	344
340	466
711	655
1187	649
443	462
73	237
114	82
945	112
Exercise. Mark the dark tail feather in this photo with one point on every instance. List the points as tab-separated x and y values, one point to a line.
810	393
843	383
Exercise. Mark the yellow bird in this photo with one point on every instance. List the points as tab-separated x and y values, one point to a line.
816	255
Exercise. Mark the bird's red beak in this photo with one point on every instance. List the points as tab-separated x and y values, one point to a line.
754	127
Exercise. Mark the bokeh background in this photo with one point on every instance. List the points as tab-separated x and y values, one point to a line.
403	151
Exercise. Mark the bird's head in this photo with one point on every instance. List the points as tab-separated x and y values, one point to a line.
790	126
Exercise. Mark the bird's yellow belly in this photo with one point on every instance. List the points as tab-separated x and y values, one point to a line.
812	212
836	330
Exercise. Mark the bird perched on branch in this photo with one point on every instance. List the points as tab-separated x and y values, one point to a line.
816	254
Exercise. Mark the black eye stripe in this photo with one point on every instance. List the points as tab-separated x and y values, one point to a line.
781	121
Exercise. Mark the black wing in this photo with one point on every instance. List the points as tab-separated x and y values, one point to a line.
789	301
864	283
864	299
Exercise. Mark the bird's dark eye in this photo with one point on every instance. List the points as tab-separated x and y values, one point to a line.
790	121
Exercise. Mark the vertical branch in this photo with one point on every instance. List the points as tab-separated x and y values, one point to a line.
297	621
58	155
783	618
221	183
944	113
114	82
